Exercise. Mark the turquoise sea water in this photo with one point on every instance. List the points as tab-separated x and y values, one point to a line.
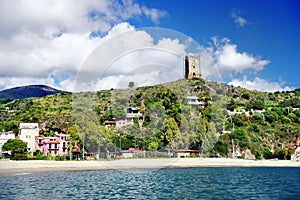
183	183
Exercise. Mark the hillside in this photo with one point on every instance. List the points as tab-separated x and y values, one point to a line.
28	91
255	124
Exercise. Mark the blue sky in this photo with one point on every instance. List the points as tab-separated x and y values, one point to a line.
271	30
253	43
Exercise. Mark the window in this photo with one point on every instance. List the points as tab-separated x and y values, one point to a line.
55	146
49	146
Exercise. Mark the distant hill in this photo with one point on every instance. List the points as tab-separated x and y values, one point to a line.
28	91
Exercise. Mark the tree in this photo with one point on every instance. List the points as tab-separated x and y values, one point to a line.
131	84
246	95
18	148
170	132
240	136
231	105
210	138
218	115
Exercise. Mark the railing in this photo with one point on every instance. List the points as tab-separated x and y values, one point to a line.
116	155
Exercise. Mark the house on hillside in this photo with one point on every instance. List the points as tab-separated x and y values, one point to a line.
27	133
110	123
123	123
55	146
4	136
131	114
193	100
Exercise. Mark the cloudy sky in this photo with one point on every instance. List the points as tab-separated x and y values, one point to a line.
254	44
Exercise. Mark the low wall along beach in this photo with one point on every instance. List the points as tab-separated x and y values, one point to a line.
42	166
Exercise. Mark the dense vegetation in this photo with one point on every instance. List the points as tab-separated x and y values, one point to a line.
254	124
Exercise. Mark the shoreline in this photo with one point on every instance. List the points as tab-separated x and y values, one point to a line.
11	168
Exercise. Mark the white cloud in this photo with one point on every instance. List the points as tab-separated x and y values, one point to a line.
260	85
223	57
238	19
9	82
39	38
132	56
174	45
154	14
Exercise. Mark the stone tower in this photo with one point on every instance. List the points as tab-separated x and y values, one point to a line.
192	66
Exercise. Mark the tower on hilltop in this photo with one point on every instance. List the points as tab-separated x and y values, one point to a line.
192	66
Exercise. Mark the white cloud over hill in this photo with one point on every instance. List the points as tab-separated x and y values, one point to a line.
260	85
49	42
42	39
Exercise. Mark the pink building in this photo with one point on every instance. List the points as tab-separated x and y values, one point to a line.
55	146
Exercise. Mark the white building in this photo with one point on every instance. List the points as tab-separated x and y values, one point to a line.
27	133
4	136
123	123
193	100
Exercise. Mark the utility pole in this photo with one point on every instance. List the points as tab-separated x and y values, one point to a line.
233	151
98	147
70	151
83	148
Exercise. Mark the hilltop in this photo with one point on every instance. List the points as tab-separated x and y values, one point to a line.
28	91
222	118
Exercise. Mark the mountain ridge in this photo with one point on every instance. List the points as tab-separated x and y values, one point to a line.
28	91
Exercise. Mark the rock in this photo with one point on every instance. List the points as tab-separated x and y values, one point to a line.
249	154
296	156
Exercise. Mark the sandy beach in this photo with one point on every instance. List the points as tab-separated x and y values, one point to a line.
42	166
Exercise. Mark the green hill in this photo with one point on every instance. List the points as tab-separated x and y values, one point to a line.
255	124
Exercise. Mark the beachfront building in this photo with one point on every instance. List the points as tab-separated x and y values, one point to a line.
54	146
4	136
183	153
131	152
27	133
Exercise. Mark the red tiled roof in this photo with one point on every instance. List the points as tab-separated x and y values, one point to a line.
110	122
132	150
8	132
52	142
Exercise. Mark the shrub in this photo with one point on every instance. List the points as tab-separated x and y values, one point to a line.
285	120
246	95
18	156
253	127
267	153
221	148
293	117
240	135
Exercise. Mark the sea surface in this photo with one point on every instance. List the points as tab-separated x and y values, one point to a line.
182	183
